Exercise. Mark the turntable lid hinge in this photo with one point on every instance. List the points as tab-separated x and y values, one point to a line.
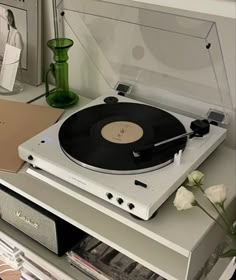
123	88
217	117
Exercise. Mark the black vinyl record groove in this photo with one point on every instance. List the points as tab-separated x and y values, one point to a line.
82	140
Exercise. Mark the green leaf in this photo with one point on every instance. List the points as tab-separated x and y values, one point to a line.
228	254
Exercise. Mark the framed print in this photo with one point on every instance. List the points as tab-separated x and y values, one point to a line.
20	26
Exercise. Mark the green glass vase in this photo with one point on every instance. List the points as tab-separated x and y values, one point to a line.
60	96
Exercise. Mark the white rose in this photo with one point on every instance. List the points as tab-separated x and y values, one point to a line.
195	177
216	194
184	199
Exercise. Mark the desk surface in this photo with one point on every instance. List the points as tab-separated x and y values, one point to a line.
28	94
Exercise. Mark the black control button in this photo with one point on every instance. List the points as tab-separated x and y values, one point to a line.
141	184
109	196
30	157
120	200
131	206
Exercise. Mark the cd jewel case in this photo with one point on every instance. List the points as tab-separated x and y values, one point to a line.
135	151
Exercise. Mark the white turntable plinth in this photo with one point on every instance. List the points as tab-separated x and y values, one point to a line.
44	151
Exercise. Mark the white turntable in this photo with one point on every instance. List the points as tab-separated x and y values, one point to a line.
140	194
86	149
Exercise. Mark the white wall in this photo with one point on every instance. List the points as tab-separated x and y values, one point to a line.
86	78
48	31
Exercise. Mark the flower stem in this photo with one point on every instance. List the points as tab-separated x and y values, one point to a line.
209	215
217	210
232	230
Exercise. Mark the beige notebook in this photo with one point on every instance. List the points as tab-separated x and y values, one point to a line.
18	123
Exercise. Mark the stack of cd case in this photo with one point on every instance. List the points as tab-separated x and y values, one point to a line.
33	271
10	255
102	262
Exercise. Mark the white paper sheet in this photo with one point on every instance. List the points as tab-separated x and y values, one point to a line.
9	67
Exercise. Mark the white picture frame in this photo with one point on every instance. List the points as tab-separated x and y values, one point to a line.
27	17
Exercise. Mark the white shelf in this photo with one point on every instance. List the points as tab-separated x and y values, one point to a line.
101	226
39	254
157	228
60	265
171	244
135	238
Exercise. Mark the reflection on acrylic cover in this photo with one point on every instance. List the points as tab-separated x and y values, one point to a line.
13	31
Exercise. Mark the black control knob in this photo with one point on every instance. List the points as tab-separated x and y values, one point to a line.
30	157
120	200
131	206
109	195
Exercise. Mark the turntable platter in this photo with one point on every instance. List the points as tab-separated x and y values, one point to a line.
102	137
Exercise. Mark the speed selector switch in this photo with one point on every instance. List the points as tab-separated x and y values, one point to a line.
120	200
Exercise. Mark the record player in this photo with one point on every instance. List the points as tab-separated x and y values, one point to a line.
134	151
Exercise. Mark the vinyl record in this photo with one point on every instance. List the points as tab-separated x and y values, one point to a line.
103	137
